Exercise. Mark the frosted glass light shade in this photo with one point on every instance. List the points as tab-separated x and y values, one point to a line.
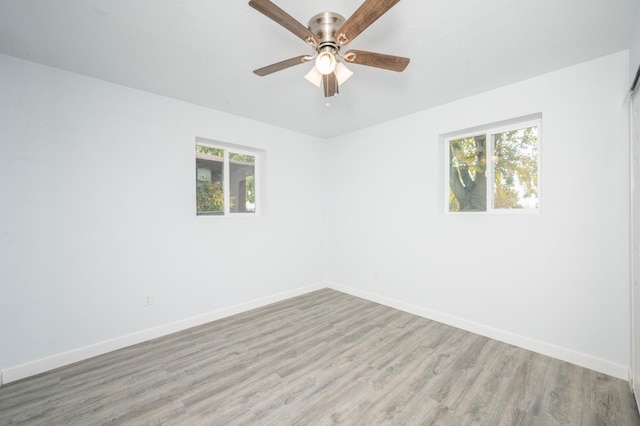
342	73
314	76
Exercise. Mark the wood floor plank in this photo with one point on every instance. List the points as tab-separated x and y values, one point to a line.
324	358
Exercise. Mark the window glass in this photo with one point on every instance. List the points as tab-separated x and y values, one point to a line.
209	180
242	190
467	181
495	169
515	168
226	179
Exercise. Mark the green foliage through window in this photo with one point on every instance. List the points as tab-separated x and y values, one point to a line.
516	169
467	163
217	152
225	181
512	165
209	198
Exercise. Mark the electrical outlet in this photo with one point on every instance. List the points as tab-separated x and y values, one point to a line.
148	299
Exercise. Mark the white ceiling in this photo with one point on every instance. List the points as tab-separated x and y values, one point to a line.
203	51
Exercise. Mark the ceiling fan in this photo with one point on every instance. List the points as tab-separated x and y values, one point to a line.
327	32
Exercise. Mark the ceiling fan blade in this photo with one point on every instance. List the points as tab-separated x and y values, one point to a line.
272	11
330	84
269	69
365	15
378	60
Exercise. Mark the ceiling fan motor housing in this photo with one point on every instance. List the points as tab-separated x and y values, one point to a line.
325	25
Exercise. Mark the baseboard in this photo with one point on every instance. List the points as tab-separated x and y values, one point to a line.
554	351
18	372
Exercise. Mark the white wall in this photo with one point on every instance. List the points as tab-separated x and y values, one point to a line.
557	282
634	51
98	208
97	190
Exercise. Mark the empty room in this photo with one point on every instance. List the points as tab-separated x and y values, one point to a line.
356	212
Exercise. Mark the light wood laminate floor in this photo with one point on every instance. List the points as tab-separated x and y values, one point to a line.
320	359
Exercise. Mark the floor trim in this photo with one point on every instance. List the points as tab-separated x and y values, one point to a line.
18	372
584	360
31	368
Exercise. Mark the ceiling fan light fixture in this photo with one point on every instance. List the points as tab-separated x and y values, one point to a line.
328	32
314	76
342	73
326	62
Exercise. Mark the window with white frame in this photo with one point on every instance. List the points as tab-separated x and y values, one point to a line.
225	179
494	169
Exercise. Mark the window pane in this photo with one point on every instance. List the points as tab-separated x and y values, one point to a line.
467	179
209	180
515	168
242	179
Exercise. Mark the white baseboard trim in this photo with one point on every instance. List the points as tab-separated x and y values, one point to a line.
31	368
584	360
18	372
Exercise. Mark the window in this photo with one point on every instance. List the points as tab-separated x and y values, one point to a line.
494	169
225	180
